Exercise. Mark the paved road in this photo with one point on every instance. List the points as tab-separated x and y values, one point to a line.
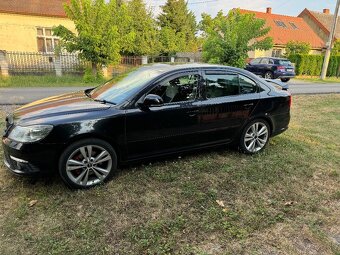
27	95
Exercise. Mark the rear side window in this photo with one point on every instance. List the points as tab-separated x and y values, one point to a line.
285	63
247	85
221	85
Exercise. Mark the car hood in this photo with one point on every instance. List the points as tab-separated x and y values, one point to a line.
66	104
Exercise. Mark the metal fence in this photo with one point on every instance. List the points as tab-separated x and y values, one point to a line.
37	63
44	63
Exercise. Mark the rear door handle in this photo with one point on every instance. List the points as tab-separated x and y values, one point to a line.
248	105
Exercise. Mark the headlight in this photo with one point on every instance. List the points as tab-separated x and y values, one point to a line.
30	134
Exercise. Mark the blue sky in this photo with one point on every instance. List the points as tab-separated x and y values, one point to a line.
287	7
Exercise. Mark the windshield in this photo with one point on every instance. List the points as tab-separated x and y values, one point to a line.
119	91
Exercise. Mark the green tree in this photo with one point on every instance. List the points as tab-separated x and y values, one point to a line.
146	41
102	31
295	47
177	27
228	39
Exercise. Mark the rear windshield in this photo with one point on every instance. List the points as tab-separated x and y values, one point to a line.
285	63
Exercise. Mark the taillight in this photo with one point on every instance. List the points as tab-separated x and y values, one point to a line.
290	101
281	68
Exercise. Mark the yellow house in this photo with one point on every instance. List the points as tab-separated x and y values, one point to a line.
26	25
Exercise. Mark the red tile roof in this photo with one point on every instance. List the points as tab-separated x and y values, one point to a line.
50	8
323	20
282	35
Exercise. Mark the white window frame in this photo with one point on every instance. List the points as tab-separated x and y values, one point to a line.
44	37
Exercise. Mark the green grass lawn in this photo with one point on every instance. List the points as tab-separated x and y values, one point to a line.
47	81
285	200
318	80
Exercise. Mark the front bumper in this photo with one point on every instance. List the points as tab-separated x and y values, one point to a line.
30	159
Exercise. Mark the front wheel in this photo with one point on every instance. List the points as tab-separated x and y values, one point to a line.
255	137
87	163
285	79
269	75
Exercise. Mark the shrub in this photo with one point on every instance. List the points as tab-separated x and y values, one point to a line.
312	64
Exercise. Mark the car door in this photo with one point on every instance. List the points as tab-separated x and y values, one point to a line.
253	65
170	126
263	66
229	100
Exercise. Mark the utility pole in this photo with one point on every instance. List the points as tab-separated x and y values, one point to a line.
330	43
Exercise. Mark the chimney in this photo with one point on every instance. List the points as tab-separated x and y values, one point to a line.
326	11
269	10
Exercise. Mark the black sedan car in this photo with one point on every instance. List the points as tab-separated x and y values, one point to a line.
272	68
154	111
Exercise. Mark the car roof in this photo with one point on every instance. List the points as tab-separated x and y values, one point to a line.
162	68
276	58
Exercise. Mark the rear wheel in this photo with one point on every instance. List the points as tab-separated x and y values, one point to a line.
285	79
255	137
87	163
268	75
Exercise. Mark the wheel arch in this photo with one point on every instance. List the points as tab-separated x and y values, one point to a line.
80	137
263	117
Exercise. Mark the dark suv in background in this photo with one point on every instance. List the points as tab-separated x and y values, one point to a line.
272	68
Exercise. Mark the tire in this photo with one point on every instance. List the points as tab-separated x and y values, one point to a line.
87	163
285	79
251	142
268	75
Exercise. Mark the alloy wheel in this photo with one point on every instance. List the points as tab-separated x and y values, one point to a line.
268	75
256	137
88	165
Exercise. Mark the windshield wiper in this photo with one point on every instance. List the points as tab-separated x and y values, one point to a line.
103	101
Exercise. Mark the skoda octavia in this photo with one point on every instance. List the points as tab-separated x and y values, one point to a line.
154	111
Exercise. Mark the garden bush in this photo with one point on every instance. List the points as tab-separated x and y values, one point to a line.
312	64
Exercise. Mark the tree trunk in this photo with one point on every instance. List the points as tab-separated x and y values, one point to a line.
94	69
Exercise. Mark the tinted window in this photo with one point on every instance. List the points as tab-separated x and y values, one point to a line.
247	85
265	61
179	89
220	85
285	62
255	61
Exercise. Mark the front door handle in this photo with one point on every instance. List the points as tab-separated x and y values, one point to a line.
247	106
193	113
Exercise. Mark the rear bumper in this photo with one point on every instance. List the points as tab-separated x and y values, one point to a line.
280	123
284	75
30	159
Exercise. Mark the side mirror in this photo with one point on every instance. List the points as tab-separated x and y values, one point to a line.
152	100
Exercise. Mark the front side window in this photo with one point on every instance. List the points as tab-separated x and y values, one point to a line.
221	85
180	89
255	61
45	40
265	61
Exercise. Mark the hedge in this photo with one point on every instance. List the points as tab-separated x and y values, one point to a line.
312	64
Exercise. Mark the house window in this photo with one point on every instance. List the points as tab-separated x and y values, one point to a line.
276	53
45	39
280	23
293	25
